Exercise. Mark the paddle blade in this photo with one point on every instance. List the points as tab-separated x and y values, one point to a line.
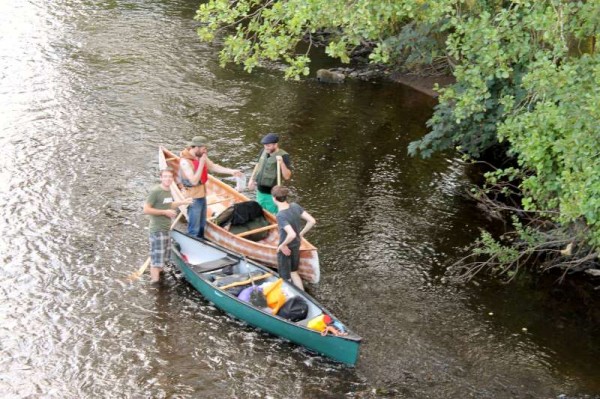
257	298
138	273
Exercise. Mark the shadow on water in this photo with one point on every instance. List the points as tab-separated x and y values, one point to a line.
90	89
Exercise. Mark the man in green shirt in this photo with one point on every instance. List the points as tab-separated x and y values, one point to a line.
162	208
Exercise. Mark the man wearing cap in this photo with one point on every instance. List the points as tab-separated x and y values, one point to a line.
264	177
193	174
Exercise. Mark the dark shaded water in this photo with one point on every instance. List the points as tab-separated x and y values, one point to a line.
88	90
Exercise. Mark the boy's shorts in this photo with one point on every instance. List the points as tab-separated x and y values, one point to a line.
288	264
160	248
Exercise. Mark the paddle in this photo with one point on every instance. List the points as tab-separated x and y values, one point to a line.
137	274
256	296
278	172
250	280
258	230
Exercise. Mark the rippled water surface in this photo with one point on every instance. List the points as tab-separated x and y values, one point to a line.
89	89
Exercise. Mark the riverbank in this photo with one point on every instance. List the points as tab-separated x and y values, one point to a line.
424	84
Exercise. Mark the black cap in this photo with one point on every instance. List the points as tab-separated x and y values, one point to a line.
270	138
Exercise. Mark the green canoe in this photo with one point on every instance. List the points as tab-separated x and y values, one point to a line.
208	267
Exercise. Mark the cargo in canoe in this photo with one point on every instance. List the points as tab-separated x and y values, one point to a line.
211	269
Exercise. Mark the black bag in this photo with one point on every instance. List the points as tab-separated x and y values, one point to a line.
294	309
224	217
244	212
244	216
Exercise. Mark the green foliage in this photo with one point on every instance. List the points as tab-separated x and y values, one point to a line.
418	46
257	31
473	134
505	256
517	81
558	140
491	248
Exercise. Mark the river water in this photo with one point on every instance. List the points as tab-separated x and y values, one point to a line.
89	89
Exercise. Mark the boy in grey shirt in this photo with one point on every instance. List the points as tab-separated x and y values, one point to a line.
289	218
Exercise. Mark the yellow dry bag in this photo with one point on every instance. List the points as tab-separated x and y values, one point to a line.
274	294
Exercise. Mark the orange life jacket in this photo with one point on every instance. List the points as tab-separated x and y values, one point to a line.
190	190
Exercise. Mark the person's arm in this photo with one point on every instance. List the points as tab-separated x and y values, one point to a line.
285	170
310	222
252	181
216	168
188	170
149	210
291	235
185	201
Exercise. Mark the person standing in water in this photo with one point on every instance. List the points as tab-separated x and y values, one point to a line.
162	208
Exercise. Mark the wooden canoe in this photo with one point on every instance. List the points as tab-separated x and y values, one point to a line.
220	196
202	264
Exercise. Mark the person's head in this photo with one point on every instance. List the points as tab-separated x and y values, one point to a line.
270	141
280	193
197	146
166	176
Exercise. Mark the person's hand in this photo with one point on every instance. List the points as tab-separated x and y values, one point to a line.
170	213
204	157
237	173
187	201
252	185
279	158
284	250
333	330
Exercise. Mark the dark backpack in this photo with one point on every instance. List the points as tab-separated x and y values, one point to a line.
240	213
244	216
294	309
244	212
224	217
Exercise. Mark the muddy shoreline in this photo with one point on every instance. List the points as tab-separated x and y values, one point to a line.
424	84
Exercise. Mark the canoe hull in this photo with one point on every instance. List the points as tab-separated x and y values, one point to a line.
309	269
219	196
342	349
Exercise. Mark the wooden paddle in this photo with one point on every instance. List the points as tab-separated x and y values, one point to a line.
137	274
258	230
278	172
219	201
250	280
